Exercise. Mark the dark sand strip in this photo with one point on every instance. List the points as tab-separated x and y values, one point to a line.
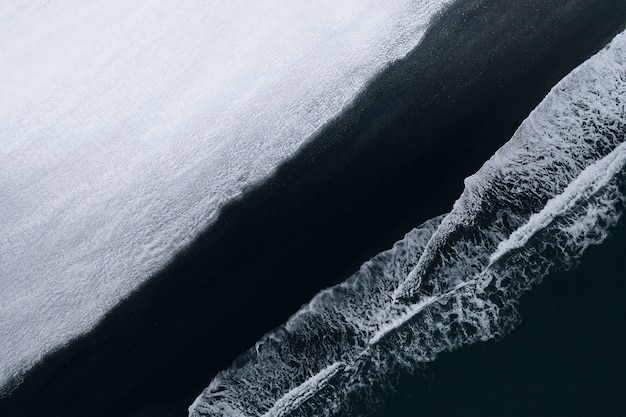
395	158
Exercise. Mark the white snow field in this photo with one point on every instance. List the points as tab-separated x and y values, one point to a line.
125	125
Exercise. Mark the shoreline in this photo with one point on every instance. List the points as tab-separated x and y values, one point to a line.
367	178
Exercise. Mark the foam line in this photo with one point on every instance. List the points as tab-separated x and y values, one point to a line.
557	187
345	313
580	121
589	182
298	395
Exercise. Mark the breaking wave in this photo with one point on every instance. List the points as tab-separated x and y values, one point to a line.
557	187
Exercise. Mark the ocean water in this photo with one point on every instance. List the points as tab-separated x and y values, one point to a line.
565	357
555	189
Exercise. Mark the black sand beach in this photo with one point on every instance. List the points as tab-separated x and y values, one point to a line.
396	157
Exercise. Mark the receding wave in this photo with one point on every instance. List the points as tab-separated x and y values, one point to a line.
557	187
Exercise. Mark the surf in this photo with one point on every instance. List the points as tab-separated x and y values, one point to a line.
557	187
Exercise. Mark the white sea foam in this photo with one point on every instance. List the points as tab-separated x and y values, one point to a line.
126	125
330	330
294	399
579	122
555	188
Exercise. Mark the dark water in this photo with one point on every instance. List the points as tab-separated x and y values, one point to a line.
393	160
566	358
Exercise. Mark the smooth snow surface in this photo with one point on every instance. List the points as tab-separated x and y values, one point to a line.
557	187
125	125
